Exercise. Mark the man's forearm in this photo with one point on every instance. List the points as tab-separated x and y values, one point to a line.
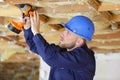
29	40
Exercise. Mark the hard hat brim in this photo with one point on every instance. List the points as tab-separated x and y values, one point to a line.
64	25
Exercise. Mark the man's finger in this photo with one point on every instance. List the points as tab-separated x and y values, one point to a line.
31	18
37	16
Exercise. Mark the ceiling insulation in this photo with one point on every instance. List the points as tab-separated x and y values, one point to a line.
53	13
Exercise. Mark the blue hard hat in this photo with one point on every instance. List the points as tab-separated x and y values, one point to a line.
82	26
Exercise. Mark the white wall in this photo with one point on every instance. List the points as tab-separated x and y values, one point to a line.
107	67
44	70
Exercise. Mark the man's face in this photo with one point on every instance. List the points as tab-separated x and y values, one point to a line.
67	39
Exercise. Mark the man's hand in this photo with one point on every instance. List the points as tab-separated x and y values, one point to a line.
26	21
35	22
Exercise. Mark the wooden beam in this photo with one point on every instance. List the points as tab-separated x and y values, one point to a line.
2	20
5	20
33	1
106	31
44	18
107	15
98	18
15	39
20	1
105	6
115	18
109	36
10	37
56	0
56	26
57	20
68	8
105	46
103	50
104	43
95	4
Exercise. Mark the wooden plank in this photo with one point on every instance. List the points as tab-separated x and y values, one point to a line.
105	6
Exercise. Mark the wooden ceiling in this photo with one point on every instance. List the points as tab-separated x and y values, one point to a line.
104	13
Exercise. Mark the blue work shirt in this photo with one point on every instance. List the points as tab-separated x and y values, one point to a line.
78	64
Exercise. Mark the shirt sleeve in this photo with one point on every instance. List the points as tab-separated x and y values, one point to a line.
56	56
29	40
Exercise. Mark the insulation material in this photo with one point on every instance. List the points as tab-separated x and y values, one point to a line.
8	48
20	66
100	25
10	9
49	26
113	1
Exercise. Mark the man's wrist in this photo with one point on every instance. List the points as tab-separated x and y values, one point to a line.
25	27
36	32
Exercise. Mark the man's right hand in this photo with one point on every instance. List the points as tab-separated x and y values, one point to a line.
35	23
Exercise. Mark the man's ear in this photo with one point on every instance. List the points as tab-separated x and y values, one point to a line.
79	41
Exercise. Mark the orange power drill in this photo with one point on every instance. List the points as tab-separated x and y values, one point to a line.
17	27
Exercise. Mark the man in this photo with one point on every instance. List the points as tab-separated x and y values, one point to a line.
72	59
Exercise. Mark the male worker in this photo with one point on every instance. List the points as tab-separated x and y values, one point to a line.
72	59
